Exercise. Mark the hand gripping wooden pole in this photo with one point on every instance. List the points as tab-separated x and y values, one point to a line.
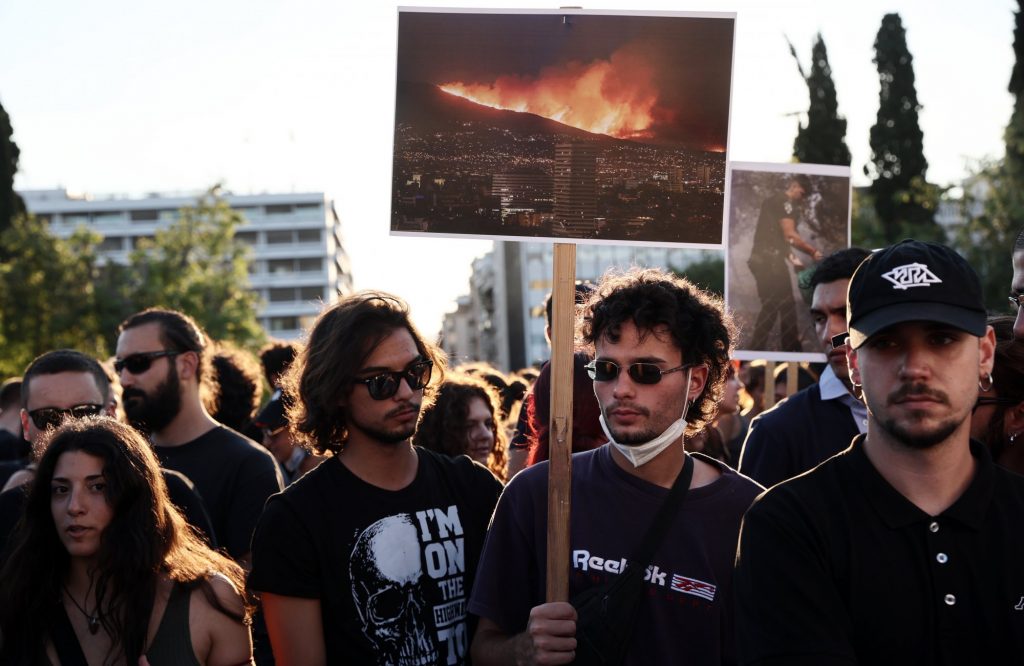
563	318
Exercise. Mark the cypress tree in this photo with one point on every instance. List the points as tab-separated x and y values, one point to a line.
10	203
903	200
823	139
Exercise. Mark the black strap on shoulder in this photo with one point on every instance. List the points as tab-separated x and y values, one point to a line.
666	512
65	642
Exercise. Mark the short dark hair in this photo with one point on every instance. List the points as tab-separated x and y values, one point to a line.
178	332
342	338
10	393
239	386
581	292
800	179
276	356
839	265
64	360
696	320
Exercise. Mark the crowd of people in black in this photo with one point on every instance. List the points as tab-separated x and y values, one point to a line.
381	507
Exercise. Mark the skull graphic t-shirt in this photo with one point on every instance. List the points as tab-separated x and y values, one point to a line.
392	569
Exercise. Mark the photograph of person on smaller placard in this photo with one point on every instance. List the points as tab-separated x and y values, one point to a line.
782	220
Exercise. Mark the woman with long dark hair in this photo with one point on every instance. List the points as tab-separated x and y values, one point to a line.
103	569
465	418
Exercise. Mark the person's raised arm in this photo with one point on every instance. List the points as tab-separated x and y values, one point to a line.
788	226
296	630
550	638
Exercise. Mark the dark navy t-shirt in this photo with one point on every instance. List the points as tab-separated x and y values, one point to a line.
687	616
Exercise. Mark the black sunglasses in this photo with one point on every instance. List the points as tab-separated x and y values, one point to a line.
1002	402
51	417
384	385
641	373
839	339
136	364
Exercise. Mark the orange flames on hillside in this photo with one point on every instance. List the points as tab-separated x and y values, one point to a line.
616	96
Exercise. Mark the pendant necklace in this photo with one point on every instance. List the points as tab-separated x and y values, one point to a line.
92	619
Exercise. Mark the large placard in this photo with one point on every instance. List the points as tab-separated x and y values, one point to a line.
569	125
765	265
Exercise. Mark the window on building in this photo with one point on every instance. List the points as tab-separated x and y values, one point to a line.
145	215
247	237
74	219
281	294
283	323
310	265
308	235
107	217
310	293
279	237
280	266
279	209
112	244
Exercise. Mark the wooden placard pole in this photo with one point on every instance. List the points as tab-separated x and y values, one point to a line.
768	397
563	317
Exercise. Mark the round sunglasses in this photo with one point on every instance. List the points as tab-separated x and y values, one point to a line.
385	384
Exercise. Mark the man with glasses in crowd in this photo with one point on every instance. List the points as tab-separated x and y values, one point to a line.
163	366
661	358
369	557
65	384
818	422
906	547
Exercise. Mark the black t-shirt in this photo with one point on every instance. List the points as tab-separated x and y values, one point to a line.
13	447
768	238
837	567
392	569
233	475
179	489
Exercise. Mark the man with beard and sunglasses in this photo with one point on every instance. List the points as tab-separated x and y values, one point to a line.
163	365
906	547
65	384
369	558
661	358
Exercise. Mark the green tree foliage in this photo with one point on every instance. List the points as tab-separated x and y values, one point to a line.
993	201
991	210
61	293
197	266
10	203
903	199
47	297
707	273
823	139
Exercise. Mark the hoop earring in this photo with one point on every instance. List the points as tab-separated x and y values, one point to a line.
1014	436
987	378
858	391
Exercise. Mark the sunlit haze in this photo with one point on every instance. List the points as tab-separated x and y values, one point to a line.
118	97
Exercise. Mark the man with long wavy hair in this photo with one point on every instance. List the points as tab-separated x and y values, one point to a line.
369	558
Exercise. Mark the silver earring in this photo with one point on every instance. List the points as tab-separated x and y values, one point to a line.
987	379
1014	437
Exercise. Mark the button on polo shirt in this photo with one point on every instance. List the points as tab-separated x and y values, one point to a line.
837	567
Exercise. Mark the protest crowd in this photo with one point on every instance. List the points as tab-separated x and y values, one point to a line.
385	507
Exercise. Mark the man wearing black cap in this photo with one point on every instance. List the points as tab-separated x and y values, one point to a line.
906	547
272	421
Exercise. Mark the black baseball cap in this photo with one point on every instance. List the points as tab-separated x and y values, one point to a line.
913	281
272	416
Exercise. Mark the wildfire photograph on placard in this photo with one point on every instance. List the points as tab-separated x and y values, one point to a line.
582	126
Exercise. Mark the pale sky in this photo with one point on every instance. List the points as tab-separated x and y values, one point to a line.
265	96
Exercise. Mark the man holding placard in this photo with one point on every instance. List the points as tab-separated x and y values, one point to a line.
643	509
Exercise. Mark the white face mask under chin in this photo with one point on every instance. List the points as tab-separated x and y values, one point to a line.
638	454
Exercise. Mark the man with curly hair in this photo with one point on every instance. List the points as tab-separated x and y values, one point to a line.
369	558
661	355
